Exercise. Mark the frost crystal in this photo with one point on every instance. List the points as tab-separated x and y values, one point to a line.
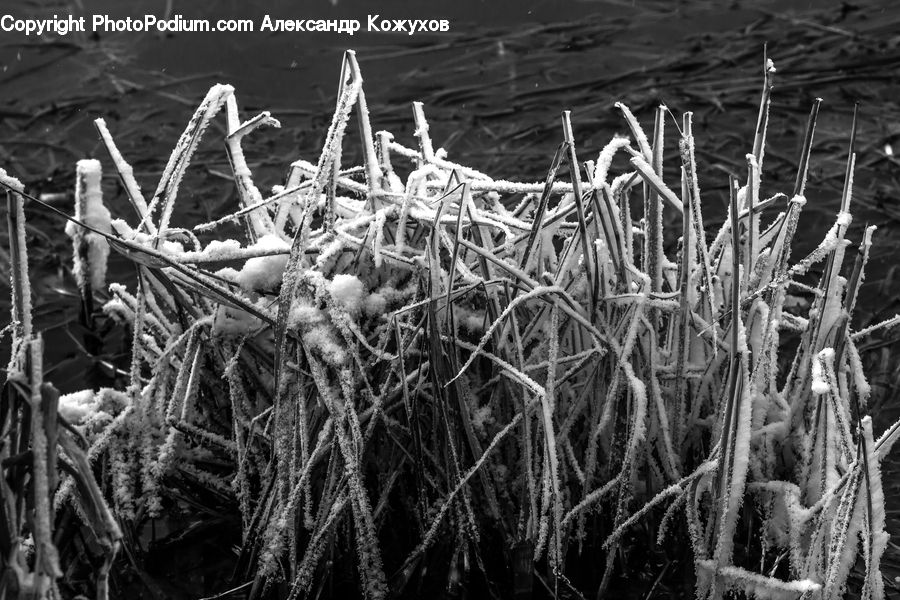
819	376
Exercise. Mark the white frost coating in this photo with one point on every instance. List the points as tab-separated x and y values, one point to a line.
228	273
842	547
873	588
887	324
637	131
270	242
828	243
125	231
740	460
77	407
181	156
91	250
249	194
118	310
303	314
819	376
324	341
469	172
482	418
232	321
348	292
618	186
217	248
844	218
225	254
377	227
672	397
264	273
11	181
760	586
886	440
604	159
656	182
473	323
859	376
19	272
126	173
317	332
394	183
375	304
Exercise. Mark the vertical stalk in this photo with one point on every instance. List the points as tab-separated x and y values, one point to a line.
422	133
750	203
21	286
653	212
569	139
373	171
762	121
803	169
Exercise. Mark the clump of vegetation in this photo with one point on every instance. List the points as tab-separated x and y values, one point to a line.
455	382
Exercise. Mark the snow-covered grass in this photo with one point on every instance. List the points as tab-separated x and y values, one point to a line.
455	363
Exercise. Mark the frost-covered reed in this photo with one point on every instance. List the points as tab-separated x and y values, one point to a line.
39	446
412	355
